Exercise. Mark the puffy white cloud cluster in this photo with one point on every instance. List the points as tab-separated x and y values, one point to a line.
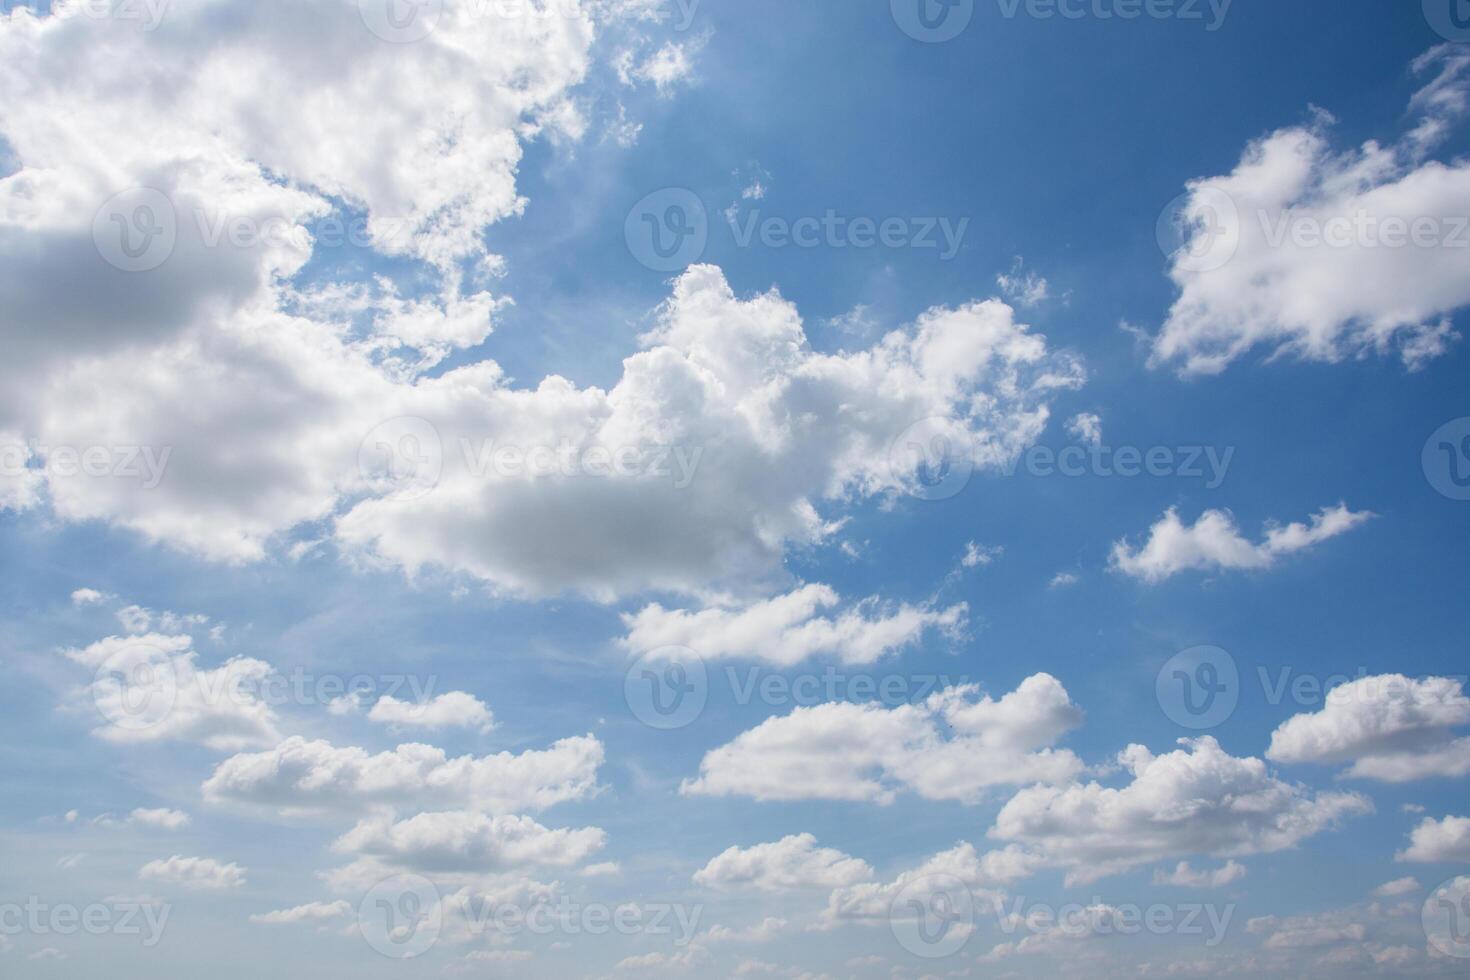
301	776
1213	543
1195	800
1309	252
1439	841
787	629
205	874
955	745
467	841
791	863
456	709
1390	728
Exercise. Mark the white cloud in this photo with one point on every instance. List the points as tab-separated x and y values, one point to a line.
983	874
767	929
977	554
1184	876
87	597
1439	841
788	629
792	863
312	912
1024	288
453	710
467	841
953	746
1213	543
1390	727
302	776
1357	286
151	688
1086	427
205	874
162	819
1062	580
1398	887
1196	800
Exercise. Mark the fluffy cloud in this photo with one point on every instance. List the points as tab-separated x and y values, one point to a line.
271	391
1397	887
847	751
789	864
1213	543
464	841
301	776
151	688
1184	876
1318	254
1439	841
312	912
788	629
981	873
205	874
1196	800
1390	727
453	710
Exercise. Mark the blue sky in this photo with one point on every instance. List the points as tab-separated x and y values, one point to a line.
958	700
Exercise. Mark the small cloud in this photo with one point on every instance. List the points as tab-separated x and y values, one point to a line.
1063	579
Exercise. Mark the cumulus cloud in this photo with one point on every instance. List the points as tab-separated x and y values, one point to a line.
467	841
953	746
1086	427
791	863
1390	728
1398	887
1308	252
1213	543
788	629
453	710
152	688
1439	841
1195	800
983	873
204	874
1184	876
301	776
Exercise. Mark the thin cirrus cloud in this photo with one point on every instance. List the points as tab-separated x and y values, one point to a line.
1213	543
1250	278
